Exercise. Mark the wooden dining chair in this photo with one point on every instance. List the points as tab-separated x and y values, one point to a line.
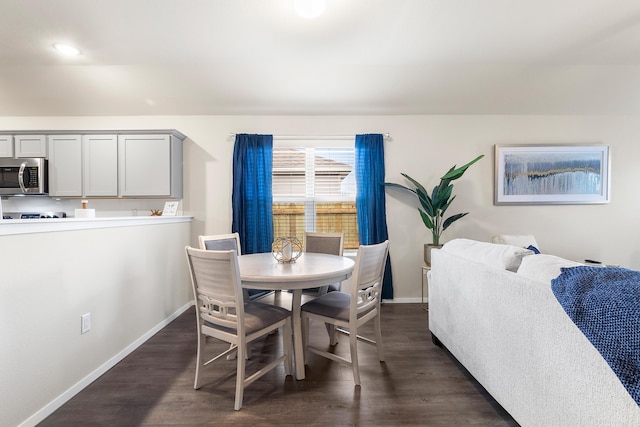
222	314
323	243
349	311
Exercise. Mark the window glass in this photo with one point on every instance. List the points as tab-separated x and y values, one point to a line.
314	190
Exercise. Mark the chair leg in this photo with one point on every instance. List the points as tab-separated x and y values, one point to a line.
198	380
333	335
240	375
353	345
305	337
376	324
287	345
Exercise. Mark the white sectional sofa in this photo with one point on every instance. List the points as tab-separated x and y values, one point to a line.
493	308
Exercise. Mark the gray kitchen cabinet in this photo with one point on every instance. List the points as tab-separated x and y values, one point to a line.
30	145
100	165
83	165
6	145
65	165
150	165
23	145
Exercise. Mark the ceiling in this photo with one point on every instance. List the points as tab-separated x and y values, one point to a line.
203	57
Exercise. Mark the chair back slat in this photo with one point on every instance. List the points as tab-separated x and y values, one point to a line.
366	287
216	286
217	311
368	297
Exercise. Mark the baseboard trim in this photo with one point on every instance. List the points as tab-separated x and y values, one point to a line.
56	403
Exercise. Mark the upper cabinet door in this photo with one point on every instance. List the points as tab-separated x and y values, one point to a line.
100	165
65	165
144	165
6	145
31	145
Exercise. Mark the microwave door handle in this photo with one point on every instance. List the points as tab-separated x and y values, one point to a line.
21	177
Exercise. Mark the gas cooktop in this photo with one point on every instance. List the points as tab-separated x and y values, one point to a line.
33	215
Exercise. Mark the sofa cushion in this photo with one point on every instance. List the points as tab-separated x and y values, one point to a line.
522	240
506	257
544	267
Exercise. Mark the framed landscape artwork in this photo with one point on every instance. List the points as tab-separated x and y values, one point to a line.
548	174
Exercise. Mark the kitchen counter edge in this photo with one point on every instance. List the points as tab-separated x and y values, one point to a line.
49	225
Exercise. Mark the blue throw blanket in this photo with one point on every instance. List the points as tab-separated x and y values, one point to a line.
605	304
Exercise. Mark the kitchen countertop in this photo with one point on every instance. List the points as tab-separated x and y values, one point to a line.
48	225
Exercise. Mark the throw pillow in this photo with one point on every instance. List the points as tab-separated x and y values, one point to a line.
522	240
533	249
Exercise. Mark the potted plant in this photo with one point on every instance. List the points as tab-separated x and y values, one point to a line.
434	205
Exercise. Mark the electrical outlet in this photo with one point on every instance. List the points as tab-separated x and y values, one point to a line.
85	323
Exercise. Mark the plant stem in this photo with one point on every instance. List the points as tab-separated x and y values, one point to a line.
436	228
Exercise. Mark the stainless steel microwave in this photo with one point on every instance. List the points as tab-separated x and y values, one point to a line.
23	176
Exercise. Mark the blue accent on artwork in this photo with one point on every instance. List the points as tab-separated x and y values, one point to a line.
604	302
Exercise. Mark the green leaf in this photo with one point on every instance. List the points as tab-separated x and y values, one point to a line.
457	173
440	199
426	203
446	205
452	219
426	219
434	195
393	184
414	182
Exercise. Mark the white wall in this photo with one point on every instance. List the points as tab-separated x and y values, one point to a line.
424	147
132	280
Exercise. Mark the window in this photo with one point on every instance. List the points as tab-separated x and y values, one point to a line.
314	189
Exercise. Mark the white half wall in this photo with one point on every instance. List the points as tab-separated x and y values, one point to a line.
131	279
424	147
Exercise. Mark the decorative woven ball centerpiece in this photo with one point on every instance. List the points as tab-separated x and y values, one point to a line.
286	249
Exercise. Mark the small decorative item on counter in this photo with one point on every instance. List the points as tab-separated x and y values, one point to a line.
84	212
156	212
286	249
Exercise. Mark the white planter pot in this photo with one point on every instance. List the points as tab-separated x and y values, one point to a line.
427	252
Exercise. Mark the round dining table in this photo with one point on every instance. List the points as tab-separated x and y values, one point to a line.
310	270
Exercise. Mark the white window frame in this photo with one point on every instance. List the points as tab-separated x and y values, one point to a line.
310	199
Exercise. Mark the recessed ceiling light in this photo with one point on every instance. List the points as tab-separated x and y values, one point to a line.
66	49
309	8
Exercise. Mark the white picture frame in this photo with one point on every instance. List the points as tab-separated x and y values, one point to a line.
170	208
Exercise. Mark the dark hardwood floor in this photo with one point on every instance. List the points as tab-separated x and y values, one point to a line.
420	384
